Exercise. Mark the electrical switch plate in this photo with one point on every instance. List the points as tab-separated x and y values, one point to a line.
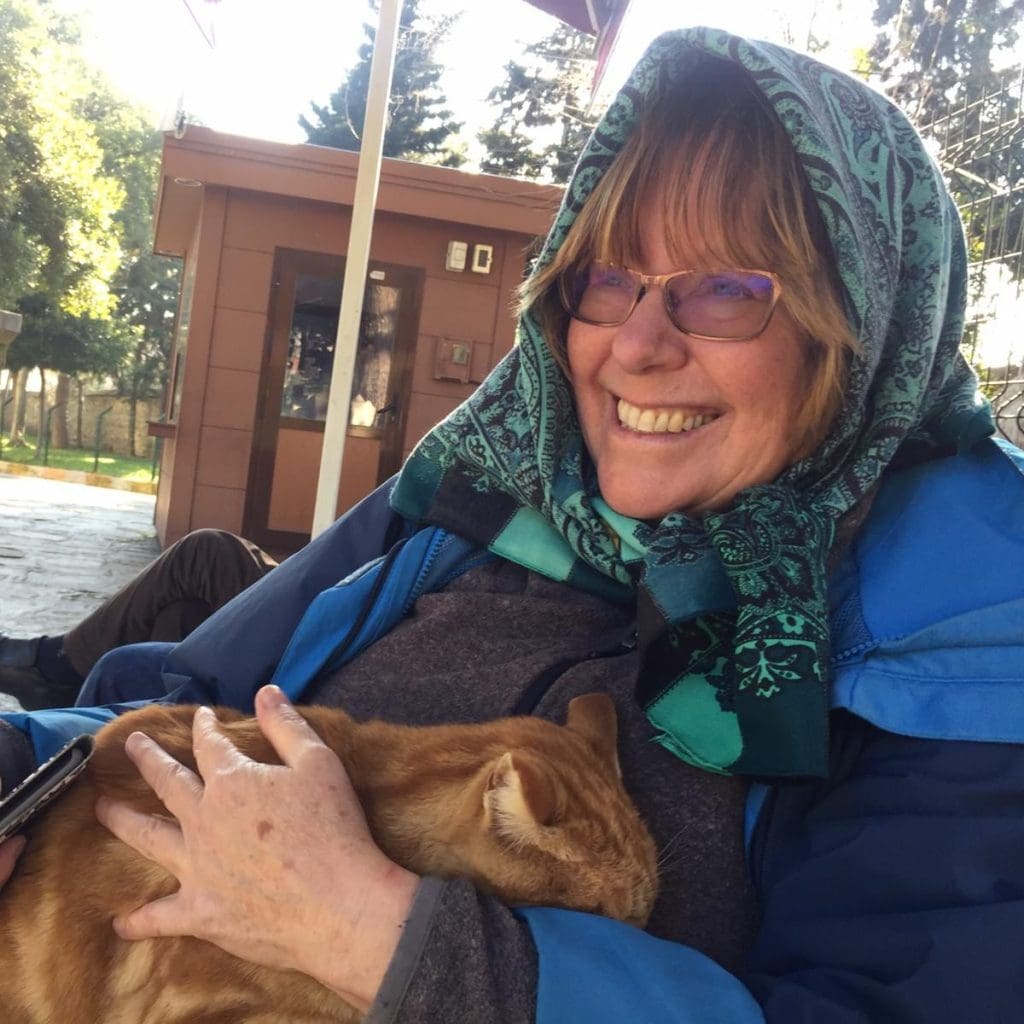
455	258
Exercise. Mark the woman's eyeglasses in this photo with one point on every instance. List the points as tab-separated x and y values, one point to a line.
715	305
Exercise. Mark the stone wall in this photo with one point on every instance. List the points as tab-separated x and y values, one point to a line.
114	437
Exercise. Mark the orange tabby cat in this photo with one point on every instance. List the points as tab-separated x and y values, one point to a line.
530	811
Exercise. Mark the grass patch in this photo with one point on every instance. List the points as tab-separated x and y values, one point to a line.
109	464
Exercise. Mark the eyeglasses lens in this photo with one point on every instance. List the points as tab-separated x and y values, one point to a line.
726	304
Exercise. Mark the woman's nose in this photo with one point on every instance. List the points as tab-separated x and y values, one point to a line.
649	340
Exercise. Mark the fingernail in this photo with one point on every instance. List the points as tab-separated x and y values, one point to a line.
18	842
272	694
134	741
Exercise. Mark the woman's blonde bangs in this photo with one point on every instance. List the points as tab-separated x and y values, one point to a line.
692	154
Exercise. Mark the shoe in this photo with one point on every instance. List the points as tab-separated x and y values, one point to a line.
15	653
33	691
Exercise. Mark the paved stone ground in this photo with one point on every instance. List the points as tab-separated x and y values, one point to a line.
64	548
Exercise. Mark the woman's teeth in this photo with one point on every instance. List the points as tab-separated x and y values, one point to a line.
659	421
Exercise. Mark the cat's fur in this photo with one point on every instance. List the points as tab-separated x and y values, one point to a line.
531	811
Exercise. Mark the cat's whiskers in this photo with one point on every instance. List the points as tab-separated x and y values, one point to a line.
667	850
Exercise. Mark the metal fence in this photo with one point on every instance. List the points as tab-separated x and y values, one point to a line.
981	150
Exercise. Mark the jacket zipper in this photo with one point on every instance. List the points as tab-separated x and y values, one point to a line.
541	683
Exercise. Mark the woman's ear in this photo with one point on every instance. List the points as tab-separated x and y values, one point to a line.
593	715
521	796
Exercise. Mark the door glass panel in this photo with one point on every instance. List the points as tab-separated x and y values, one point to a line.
373	358
314	324
307	371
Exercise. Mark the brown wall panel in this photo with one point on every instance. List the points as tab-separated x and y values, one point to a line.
224	457
230	398
238	339
218	507
457	309
244	280
263	223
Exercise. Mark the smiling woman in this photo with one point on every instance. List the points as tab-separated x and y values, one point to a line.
731	374
690	179
740	399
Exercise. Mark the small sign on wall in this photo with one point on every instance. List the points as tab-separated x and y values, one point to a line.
452	360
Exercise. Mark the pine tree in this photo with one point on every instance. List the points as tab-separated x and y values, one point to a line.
420	126
544	96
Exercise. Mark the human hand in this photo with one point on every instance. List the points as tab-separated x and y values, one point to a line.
275	862
10	851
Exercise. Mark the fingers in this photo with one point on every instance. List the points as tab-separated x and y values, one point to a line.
289	733
10	851
213	750
158	839
178	788
159	918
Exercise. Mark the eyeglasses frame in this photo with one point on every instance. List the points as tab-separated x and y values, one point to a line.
647	281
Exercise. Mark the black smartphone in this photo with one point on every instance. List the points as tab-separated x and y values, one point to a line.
49	780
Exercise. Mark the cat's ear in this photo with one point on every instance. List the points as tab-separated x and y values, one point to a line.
593	716
521	795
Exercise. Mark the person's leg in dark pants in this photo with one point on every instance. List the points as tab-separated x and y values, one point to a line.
166	601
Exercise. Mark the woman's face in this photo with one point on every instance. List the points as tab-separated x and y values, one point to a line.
746	393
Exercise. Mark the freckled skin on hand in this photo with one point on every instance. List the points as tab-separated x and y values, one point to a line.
263	829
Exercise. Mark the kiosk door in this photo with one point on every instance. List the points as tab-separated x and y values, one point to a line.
294	388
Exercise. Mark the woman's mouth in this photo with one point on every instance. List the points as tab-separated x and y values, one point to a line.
661	419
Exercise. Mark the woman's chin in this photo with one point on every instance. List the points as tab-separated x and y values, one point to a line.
641	499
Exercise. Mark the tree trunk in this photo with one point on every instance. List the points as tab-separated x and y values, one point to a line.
17	413
80	408
59	420
43	425
133	409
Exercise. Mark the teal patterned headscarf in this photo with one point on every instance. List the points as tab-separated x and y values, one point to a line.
732	608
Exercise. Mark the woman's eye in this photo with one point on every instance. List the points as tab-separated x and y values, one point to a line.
727	288
608	277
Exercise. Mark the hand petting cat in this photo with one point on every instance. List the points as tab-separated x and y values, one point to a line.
275	862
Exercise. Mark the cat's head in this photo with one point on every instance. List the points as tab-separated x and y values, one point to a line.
553	823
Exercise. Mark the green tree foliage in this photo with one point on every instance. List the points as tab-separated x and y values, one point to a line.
930	54
70	343
145	286
420	125
78	171
56	203
542	123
